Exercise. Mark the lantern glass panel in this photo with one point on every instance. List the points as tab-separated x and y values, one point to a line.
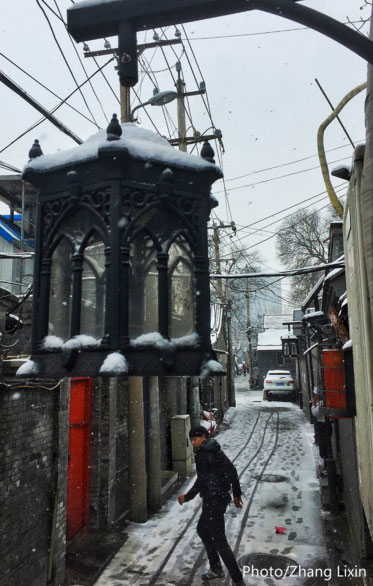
294	349
151	299
92	320
143	287
60	291
181	290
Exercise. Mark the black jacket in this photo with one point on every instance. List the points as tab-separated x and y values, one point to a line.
215	473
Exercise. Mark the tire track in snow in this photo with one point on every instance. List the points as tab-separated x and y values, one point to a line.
247	510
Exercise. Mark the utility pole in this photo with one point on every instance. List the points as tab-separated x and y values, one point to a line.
125	103
181	125
224	298
249	349
230	369
182	141
215	238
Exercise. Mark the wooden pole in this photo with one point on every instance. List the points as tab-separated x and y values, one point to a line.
137	462
154	450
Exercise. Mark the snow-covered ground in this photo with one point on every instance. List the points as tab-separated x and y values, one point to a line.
265	440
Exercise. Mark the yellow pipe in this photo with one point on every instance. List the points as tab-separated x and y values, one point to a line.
337	205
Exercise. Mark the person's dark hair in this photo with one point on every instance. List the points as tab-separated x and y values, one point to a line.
198	431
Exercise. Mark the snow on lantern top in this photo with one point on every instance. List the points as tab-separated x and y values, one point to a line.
131	141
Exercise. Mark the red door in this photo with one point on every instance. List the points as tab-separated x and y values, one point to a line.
79	441
334	378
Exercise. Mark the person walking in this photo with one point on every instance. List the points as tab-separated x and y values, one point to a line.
216	475
321	427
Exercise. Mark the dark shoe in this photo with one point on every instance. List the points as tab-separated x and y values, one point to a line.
213	575
241	583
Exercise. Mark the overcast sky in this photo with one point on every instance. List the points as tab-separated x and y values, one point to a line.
259	71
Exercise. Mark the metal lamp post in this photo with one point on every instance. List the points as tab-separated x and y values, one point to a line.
121	283
159	99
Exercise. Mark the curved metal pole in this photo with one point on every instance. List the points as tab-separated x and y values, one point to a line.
96	19
132	117
320	22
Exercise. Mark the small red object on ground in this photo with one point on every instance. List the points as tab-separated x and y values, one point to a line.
280	529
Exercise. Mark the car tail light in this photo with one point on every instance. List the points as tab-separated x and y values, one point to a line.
291	382
268	381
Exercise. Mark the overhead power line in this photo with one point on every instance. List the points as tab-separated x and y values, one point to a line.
280	176
288	273
9	167
322	194
65	60
53	109
276	233
18	90
46	88
259	33
80	59
289	163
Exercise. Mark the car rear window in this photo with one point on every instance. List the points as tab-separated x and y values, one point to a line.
279	372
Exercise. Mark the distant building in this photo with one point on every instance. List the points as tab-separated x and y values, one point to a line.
15	274
276	322
269	349
18	195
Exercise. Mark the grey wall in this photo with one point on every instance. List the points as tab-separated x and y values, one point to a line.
269	360
109	484
172	401
351	492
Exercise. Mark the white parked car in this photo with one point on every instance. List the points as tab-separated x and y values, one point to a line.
280	383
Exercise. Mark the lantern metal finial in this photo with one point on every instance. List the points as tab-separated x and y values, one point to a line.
114	130
35	150
166	181
207	152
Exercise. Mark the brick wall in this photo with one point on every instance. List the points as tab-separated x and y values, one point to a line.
30	473
60	471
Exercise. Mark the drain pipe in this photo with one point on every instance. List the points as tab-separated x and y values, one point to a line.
338	207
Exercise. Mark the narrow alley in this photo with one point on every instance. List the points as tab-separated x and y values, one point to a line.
271	445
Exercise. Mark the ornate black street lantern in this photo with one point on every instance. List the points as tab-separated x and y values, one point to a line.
121	283
290	348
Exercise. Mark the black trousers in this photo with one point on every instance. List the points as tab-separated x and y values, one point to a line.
321	432
211	529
